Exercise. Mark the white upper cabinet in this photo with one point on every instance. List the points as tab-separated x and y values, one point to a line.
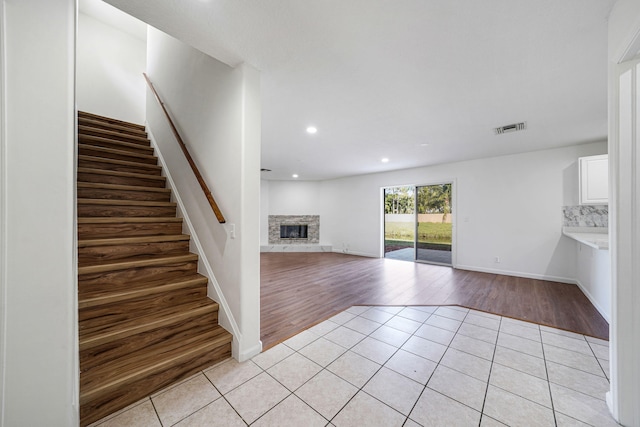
594	180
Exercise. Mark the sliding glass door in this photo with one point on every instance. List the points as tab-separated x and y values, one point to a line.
433	224
418	223
399	223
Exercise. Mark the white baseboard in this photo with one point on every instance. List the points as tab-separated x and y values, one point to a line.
225	316
518	274
362	254
593	301
296	248
248	353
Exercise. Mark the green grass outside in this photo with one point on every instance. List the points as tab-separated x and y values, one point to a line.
428	232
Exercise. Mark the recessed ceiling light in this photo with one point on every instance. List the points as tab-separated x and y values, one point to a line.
312	130
385	160
295	175
424	144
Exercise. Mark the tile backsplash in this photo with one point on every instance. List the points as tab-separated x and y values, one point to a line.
585	216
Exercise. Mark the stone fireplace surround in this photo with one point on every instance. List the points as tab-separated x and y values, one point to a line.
310	244
311	221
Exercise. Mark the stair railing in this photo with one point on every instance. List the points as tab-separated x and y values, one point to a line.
194	168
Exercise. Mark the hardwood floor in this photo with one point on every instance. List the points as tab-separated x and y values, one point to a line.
299	290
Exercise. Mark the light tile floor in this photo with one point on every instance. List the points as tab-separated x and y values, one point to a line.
398	366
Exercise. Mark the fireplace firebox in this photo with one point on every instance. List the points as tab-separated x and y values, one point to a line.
297	231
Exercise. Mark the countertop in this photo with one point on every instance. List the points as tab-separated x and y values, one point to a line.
595	237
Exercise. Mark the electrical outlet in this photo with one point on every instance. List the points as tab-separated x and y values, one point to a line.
497	260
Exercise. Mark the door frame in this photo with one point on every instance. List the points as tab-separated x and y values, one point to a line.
624	206
624	167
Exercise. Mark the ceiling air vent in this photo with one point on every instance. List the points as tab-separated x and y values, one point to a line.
510	128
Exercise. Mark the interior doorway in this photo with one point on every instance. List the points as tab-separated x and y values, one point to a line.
418	223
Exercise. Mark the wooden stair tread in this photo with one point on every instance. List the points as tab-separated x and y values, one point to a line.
156	358
92	337
116	151
122	174
98	117
120	162
99	185
126	219
110	202
85	121
132	240
88	130
98	139
101	297
102	267
148	283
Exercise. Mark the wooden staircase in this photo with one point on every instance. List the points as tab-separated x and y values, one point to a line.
145	320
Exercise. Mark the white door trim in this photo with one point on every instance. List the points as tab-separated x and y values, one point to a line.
624	166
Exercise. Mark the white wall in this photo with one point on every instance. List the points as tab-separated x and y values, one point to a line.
38	279
264	212
294	198
217	110
110	63
507	206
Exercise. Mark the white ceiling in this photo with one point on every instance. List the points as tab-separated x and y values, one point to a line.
381	78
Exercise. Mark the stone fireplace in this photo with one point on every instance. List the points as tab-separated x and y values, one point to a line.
294	229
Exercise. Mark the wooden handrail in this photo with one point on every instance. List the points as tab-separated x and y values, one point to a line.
194	168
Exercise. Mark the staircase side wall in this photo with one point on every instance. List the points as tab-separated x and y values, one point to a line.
216	109
110	63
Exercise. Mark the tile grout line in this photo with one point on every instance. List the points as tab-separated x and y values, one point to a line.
604	375
383	364
361	389
486	391
460	372
427	381
546	369
109	417
325	367
434	370
524	372
156	411
597	359
292	393
223	396
180	383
